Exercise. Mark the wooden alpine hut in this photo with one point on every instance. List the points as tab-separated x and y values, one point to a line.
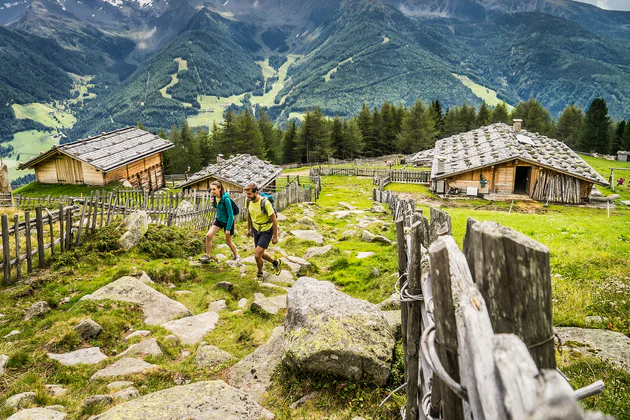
500	160
234	173
128	154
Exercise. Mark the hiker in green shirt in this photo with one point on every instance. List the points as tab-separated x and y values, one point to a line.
262	223
224	220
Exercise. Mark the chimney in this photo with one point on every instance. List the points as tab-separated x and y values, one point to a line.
517	126
219	158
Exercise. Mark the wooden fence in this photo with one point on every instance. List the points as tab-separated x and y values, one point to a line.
397	175
477	325
33	240
6	199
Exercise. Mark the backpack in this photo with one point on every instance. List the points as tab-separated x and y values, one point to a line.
264	198
235	208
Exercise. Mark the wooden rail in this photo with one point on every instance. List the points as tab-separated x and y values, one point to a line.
477	325
397	175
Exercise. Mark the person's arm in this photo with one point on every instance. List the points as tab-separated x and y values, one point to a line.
249	220
274	231
230	213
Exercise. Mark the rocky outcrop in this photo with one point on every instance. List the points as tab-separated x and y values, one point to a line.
367	236
157	308
308	235
327	331
90	356
124	366
136	225
610	346
253	373
317	251
88	329
191	330
209	400
38	309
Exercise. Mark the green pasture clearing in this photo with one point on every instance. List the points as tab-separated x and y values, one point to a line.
35	189
488	95
81	85
602	166
27	145
349	60
181	65
44	114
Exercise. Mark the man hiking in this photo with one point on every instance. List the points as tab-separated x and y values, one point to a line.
262	223
224	220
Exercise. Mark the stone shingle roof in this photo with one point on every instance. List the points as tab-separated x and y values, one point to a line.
422	157
239	170
109	150
498	143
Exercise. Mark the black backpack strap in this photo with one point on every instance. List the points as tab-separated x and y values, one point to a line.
263	202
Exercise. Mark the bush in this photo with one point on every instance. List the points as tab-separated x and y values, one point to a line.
170	242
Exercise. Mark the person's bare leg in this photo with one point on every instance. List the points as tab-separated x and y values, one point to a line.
258	255
228	241
213	230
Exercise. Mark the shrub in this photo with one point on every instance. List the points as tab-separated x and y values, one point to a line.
170	242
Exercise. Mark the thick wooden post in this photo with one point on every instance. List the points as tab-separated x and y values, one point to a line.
440	224
16	228
62	220
513	275
27	232
401	244
69	228
80	229
414	317
39	225
6	250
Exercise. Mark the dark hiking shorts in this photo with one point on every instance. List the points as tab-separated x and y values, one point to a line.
222	225
262	239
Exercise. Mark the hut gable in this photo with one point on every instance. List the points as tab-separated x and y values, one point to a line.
109	150
238	170
499	143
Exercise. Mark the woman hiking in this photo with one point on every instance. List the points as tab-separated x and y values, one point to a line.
224	220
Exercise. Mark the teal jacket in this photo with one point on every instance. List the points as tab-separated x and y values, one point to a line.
225	214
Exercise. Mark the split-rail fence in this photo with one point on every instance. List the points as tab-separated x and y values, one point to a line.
477	325
396	175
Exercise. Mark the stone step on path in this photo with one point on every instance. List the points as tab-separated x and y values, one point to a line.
122	367
200	400
148	347
191	330
89	356
270	305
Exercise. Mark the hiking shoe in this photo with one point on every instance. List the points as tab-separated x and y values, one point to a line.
237	259
204	259
259	278
276	267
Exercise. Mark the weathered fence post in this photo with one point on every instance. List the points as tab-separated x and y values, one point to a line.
39	225
6	250
440	224
29	259
512	273
401	244
16	228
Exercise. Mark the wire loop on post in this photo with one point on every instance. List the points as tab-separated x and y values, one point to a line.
427	345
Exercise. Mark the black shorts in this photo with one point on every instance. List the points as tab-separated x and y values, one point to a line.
222	225
263	238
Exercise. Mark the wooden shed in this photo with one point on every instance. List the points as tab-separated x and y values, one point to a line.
235	173
503	160
128	154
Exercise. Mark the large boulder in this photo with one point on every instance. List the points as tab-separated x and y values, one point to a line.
327	331
191	330
308	235
270	305
90	356
253	374
610	346
184	207
148	347
37	309
125	366
208	400
5	183
136	225
157	308
38	414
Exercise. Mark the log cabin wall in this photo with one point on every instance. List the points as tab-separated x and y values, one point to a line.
92	176
46	172
472	179
145	173
204	185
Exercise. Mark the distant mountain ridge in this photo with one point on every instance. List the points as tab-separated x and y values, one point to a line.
350	52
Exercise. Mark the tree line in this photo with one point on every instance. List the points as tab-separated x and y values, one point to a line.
381	131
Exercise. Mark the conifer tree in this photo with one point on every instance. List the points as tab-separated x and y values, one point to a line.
483	116
141	126
337	139
249	138
162	134
289	142
418	130
227	138
374	149
595	136
352	138
500	114
435	111
535	117
313	138
174	162
468	117
626	137
617	143
192	153
570	126
452	122
269	135
206	149
367	129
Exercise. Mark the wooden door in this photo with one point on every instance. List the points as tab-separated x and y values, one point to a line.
78	171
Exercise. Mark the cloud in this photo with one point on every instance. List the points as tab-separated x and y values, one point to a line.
609	4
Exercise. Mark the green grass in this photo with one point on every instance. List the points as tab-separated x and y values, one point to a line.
181	65
602	166
44	114
27	145
488	95
35	189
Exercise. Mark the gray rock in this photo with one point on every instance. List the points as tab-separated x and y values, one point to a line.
342	214
126	394
185	354
308	235
57	407
38	414
211	356
136	225
89	356
376	273
307	221
610	346
317	251
184	207
293	267
139	333
191	330
18	400
12	333
157	308
64	301
270	305
249	260
303	400
362	255
144	278
242	303
378	208
297	260
308	213
56	390
38	309
171	340
253	373
258	296
273	286
284	276
88	329
94	400
220	257
148	347
348	234
367	236
225	285
119	385
395	322
346	205
391	303
217	306
122	367
208	400
3	361
281	217
328	331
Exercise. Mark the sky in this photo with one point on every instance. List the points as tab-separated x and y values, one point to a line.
609	4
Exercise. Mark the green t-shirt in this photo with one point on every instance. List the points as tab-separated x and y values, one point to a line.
261	221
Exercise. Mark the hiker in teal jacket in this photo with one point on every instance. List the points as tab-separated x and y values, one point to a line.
224	220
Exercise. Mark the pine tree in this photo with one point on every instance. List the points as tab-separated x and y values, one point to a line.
352	138
617	143
289	142
249	137
418	130
435	111
162	134
367	129
390	128
535	117
206	147
596	124
468	116
192	153
174	158
626	137
570	126
483	116
337	140
226	144
141	126
500	114
269	135
374	149
452	122
313	138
